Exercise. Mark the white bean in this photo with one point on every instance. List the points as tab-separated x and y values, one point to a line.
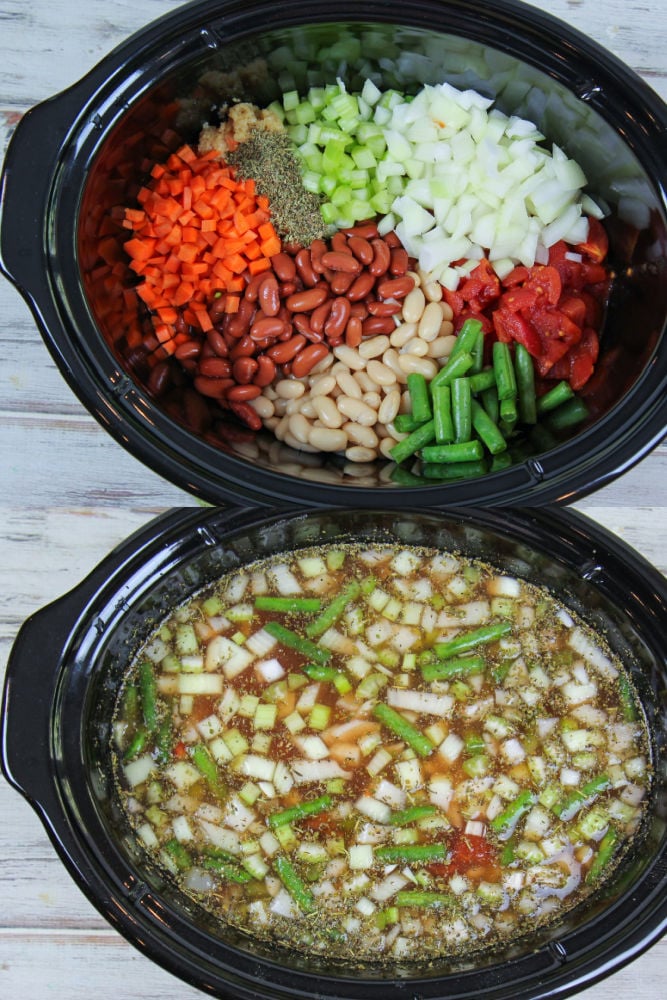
263	407
349	384
373	347
299	428
356	410
322	385
372	399
298	445
349	357
403	333
365	436
289	388
447	311
386	444
390	359
430	322
271	423
424	366
380	373
359	454
307	407
365	381
323	365
280	406
446	328
328	439
294	405
327	411
389	406
416	346
433	291
413	305
441	347
416	277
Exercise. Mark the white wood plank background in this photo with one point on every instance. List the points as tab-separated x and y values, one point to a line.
69	493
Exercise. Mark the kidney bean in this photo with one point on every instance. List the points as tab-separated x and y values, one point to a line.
190	349
301	323
339	243
206	350
317	250
319	316
365	230
266	327
392	240
238	323
244	370
159	378
307	300
376	308
217	309
338	317
306	359
399	262
214	388
305	269
180	325
241	393
246	413
252	288
292	248
336	260
215	368
284	267
377	324
361	287
286	288
361	249
340	282
359	309
244	348
381	258
266	371
189	365
285	351
353	332
268	296
217	342
395	288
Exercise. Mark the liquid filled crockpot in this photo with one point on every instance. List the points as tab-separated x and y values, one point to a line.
65	673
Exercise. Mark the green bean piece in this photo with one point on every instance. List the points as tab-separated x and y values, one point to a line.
461	409
457	365
490	403
317	672
137	744
454	470
403	477
420	401
508	414
466	338
500	462
302	896
465	451
295	813
603	856
501	670
411	815
442	414
403	729
475	744
131	702
524	371
179	854
569	806
164	741
628	705
513	812
478	352
297	642
460	666
399	853
406	423
229	872
482	380
507	855
413	442
334	610
479	637
567	415
552	399
433	900
504	371
486	429
288	604
200	756
148	688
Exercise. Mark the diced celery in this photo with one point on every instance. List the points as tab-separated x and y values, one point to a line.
249	793
290	100
236	741
529	852
187	643
212	606
319	717
248	705
265	716
170	664
285	834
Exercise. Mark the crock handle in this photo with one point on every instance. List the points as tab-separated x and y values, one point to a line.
27	699
24	186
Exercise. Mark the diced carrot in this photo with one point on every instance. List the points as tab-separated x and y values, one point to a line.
259	265
232	303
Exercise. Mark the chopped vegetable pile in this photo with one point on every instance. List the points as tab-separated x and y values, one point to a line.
380	753
329	247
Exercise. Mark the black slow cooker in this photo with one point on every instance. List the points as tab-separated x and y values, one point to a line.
63	676
76	158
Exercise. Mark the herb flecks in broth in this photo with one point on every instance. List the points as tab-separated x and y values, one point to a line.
380	753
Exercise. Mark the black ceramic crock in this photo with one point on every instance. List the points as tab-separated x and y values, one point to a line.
64	672
76	157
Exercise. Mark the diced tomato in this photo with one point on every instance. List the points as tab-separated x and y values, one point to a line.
570	271
518	298
557	333
481	287
546	282
180	750
596	244
473	856
487	324
512	326
574	307
454	300
517	276
593	274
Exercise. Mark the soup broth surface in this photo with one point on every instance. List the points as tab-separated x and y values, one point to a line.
380	753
